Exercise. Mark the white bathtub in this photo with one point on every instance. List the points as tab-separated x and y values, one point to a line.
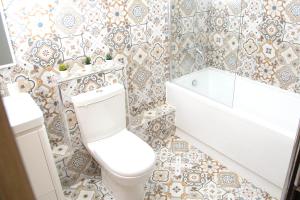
253	135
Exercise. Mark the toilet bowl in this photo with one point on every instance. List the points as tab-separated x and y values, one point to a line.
126	161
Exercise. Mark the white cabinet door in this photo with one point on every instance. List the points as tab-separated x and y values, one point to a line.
35	163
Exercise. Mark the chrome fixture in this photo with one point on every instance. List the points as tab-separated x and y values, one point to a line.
194	83
194	49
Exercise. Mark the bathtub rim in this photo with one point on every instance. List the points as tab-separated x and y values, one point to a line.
236	76
244	115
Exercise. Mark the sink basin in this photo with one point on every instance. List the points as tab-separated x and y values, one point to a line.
23	113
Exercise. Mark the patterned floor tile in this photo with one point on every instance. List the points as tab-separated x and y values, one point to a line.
182	172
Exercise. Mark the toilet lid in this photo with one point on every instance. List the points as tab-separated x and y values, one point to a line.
124	153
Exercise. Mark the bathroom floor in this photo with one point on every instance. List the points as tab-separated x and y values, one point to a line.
182	172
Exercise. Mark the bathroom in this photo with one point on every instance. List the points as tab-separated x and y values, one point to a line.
154	100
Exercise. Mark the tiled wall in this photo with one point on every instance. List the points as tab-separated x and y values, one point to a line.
259	39
136	32
188	32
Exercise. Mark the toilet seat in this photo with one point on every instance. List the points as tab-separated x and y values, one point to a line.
124	154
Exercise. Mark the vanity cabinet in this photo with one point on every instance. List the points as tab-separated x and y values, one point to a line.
40	170
27	123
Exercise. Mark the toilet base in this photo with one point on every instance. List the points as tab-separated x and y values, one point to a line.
125	188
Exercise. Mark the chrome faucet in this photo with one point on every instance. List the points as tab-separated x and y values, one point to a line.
196	49
199	52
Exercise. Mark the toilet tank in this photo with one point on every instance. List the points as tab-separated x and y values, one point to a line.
100	113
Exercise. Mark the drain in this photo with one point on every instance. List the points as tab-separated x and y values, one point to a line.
194	82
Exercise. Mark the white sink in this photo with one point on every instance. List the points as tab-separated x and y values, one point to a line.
23	113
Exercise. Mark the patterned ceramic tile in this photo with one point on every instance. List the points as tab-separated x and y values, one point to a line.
139	34
118	38
45	53
135	32
72	47
292	32
155	130
138	11
256	39
291	11
117	13
68	20
178	175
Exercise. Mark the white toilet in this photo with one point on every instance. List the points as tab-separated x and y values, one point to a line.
126	161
